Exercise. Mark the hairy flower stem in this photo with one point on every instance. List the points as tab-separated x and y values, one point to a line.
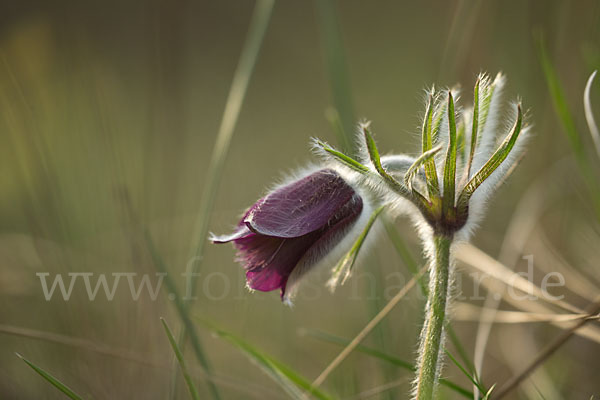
432	335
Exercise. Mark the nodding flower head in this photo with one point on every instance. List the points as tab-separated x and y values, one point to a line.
294	227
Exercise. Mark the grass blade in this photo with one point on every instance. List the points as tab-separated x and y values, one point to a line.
329	338
331	37
77	343
472	378
290	381
592	310
237	93
589	114
51	379
560	103
335	120
459	346
404	253
474	259
367	329
159	264
186	375
489	392
568	122
481	261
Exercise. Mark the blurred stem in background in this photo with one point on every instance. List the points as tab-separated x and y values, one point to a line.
567	120
590	179
381	332
460	37
342	115
342	120
237	93
589	113
256	33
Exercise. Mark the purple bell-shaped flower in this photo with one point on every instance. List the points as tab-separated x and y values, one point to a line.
291	229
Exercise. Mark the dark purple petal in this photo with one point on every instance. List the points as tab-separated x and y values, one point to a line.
270	260
300	207
335	232
241	232
298	223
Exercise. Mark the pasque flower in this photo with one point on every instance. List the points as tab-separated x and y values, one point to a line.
294	227
444	191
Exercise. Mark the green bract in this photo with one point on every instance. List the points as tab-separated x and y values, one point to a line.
468	163
471	168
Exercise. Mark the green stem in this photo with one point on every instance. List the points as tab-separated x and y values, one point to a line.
432	335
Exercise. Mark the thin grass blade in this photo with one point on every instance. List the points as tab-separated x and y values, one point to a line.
560	103
51	379
404	253
489	392
182	310
237	93
186	375
235	99
460	348
335	121
589	114
339	80
481	261
329	338
592	310
471	377
159	264
343	342
565	116
77	343
293	383
367	329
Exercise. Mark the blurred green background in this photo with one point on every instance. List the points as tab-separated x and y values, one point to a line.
108	116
